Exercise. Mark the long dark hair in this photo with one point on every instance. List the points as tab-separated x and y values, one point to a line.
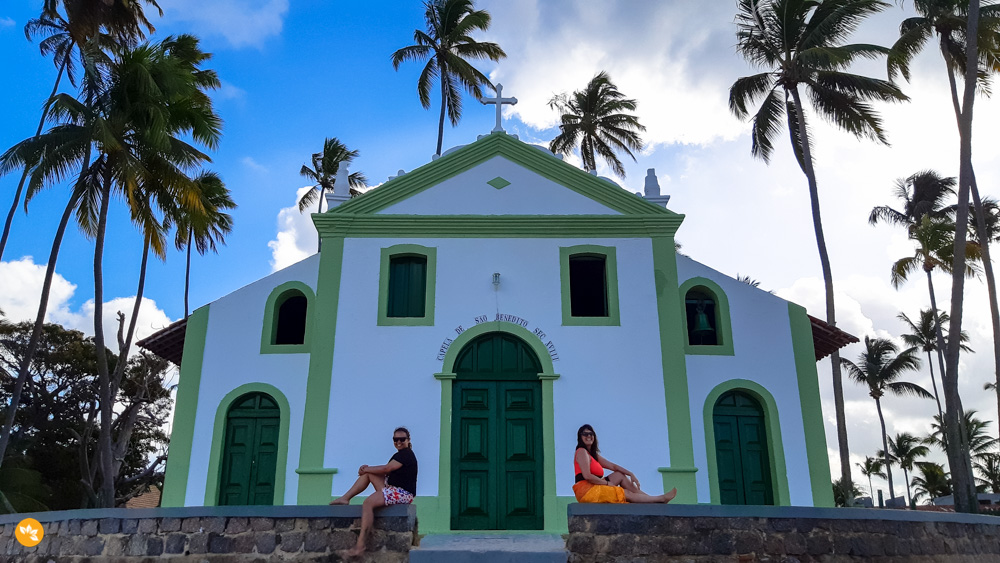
592	450
405	431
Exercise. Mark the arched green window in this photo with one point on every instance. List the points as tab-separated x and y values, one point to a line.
287	319
290	322
705	318
702	317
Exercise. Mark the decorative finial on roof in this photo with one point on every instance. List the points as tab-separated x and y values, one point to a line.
499	102
652	189
341	188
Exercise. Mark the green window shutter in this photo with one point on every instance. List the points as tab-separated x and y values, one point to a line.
407	286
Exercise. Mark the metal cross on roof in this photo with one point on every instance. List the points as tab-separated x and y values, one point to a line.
498	101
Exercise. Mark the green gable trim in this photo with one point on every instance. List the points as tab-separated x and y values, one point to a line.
498	183
430	254
554	519
611	281
495	226
218	435
675	383
267	333
724	318
316	487
528	156
775	449
185	410
812	409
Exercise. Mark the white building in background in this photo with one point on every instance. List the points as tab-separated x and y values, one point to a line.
492	301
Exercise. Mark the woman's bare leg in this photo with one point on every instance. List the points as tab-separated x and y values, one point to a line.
376	500
621	480
644	498
357	488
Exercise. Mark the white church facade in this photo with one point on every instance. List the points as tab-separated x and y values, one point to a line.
492	302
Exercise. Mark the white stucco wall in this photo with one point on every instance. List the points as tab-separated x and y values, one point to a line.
762	344
467	193
383	376
232	358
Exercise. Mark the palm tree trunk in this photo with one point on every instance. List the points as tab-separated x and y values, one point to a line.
107	490
984	239
831	316
938	333
187	273
36	333
319	209
930	364
24	175
871	490
444	98
909	497
958	446
885	449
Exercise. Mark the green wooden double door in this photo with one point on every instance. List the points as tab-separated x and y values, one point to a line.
250	451
741	450
496	452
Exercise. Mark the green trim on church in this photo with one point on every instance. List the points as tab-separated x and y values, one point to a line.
611	285
430	253
185	409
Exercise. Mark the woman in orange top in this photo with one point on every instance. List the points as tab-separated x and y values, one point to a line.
591	486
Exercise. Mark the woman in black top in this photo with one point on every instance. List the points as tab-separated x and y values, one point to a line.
396	481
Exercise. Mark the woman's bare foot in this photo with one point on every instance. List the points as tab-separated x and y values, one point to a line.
341	500
669	496
352	553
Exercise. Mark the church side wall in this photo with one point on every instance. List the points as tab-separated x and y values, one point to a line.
233	360
383	376
762	354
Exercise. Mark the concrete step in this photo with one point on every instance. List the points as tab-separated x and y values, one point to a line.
490	548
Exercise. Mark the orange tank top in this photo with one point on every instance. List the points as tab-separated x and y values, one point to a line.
595	467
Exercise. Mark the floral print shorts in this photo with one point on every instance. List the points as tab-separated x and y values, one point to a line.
396	495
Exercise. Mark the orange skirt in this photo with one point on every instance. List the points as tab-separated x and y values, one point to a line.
588	492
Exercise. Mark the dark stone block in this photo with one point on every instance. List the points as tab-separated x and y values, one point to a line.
342	539
262	524
841	544
805	525
781	524
622	544
169	525
819	545
219	544
344	523
110	525
89	528
147	526
175	543
722	543
191	525
237	525
704	523
72	546
154	546
394	542
748	541
130	526
284	524
74	527
775	545
578	524
580	543
93	546
243	543
291	542
216	525
115	546
265	542
316	540
136	545
319	523
198	543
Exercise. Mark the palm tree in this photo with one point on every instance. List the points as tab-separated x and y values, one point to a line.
879	367
988	467
799	44
596	118
904	450
976	434
872	466
967	38
323	173
923	335
447	45
204	224
101	24
933	481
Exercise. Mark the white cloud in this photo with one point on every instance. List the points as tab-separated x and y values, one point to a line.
253	165
6	22
229	91
22	280
242	23
296	238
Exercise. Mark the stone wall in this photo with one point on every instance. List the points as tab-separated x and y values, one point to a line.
702	534
210	534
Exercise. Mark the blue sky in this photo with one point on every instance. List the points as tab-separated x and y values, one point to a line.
297	71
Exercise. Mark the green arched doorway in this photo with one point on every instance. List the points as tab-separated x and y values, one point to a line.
250	451
496	453
741	448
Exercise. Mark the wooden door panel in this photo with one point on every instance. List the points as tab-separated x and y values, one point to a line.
728	461
237	461
744	473
475	442
265	461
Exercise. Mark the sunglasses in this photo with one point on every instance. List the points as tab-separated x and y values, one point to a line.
397	439
583	434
